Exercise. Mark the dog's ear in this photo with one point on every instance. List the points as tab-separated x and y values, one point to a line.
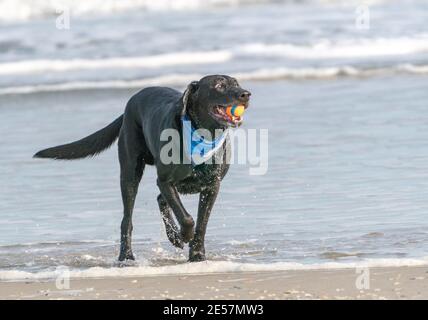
191	89
193	86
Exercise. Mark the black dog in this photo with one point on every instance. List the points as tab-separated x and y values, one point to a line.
139	129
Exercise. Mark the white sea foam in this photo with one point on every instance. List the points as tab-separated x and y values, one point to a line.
241	242
256	75
172	79
414	69
204	268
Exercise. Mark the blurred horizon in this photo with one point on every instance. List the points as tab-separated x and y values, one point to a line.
24	10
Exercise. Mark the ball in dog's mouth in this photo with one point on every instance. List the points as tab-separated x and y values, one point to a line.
232	115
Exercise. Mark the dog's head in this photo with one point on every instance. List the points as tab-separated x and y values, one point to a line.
206	101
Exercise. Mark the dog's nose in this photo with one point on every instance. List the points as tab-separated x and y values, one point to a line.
245	96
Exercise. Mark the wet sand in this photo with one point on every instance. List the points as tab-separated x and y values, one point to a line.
383	283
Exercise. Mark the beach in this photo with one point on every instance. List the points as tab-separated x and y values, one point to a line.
385	283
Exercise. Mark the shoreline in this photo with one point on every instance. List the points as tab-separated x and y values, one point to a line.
373	283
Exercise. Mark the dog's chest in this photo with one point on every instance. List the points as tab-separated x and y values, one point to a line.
203	176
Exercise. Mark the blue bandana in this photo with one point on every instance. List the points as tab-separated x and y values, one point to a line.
196	147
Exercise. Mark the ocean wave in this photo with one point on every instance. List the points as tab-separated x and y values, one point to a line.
22	10
206	267
156	61
355	48
322	50
172	79
180	80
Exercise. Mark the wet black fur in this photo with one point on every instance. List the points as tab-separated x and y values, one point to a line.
147	114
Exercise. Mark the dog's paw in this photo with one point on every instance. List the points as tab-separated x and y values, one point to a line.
173	234
128	255
197	256
175	238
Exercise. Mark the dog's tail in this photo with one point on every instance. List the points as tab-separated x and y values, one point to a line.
86	147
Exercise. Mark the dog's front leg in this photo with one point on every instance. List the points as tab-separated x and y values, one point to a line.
206	202
170	194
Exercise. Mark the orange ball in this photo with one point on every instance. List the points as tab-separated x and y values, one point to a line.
235	111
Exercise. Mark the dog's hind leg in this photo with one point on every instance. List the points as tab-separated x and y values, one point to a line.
129	186
206	202
131	171
171	228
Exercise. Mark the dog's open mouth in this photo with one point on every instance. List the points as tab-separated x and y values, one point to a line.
221	114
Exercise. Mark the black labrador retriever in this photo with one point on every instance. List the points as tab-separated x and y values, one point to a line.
147	114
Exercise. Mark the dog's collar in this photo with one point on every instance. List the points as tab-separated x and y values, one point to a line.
196	147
